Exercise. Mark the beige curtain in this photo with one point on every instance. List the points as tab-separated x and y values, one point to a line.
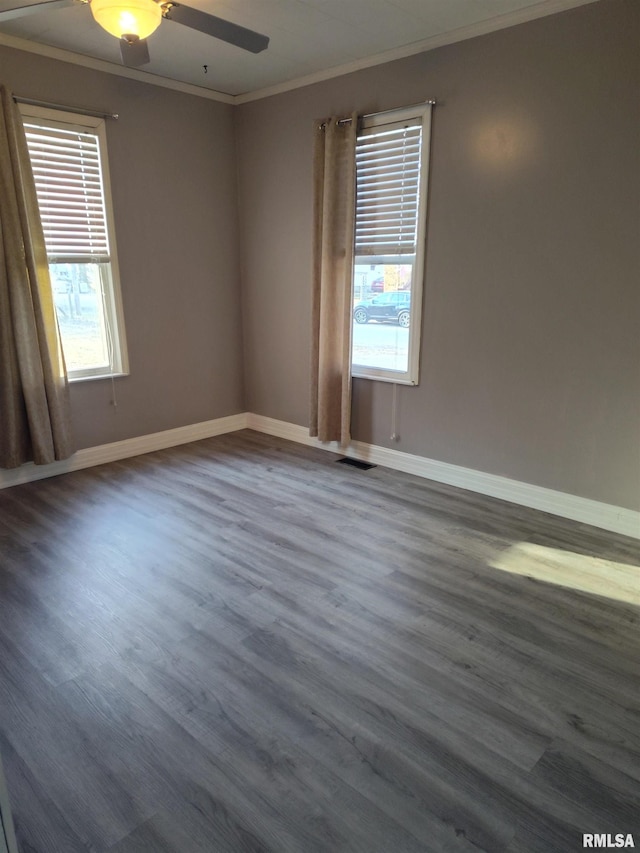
34	392
334	216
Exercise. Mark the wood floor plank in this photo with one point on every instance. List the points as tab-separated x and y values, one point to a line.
44	729
258	798
589	796
362	751
239	646
223	693
44	826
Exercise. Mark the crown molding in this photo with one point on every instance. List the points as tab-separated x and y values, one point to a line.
500	22
110	68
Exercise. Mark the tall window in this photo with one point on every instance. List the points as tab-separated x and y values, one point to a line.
68	157
392	156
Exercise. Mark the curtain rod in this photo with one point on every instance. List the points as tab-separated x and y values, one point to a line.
430	101
78	110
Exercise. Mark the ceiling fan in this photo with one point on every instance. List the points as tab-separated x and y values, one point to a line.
132	21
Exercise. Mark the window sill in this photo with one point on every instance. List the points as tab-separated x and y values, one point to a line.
74	379
384	377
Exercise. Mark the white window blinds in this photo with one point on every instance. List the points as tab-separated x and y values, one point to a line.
68	178
388	180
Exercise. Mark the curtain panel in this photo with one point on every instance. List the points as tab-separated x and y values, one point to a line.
333	252
34	390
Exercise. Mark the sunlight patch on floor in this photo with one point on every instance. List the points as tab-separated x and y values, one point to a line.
620	581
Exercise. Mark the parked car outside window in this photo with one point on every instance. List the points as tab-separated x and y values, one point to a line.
390	307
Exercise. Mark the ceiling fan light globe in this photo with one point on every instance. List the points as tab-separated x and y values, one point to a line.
127	17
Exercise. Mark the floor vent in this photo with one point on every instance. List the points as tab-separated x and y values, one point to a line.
356	463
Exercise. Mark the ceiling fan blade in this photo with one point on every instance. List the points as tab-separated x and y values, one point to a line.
216	27
134	51
33	9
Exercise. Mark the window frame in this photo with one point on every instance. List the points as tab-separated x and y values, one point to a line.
111	290
411	376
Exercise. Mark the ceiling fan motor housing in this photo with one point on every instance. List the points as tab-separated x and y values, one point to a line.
128	19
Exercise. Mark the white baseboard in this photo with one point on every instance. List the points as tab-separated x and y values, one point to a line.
608	517
91	456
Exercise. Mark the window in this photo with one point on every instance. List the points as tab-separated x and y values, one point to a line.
392	155
68	157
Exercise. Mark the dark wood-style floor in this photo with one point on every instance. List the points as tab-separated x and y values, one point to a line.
240	645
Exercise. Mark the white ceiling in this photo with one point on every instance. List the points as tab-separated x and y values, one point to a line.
310	39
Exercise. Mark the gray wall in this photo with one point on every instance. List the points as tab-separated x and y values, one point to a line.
173	176
531	352
531	347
